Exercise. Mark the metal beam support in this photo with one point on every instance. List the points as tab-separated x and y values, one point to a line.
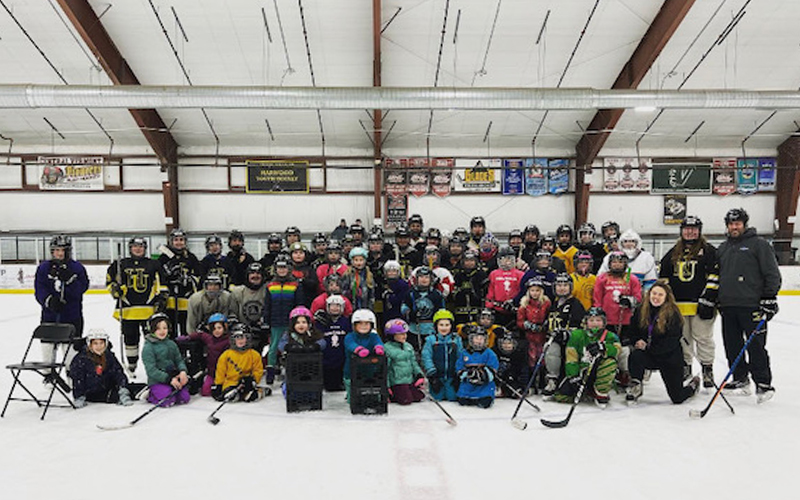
787	187
88	25
654	40
377	114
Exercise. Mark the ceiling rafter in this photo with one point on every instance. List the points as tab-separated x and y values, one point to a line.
662	28
94	34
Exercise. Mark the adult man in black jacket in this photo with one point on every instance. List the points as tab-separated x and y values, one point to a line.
749	281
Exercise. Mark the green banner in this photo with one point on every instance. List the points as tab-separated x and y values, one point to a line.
681	178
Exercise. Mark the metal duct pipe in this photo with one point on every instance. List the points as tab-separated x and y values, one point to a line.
151	96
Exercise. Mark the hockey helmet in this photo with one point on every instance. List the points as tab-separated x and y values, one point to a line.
443	314
736	214
395	327
364	315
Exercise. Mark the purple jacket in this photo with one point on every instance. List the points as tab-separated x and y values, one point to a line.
215	346
68	281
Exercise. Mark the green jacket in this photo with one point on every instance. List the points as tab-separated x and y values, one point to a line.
577	358
402	363
161	359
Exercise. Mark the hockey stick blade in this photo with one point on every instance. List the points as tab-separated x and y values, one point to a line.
213	420
519	424
697	413
166	251
559	423
114	427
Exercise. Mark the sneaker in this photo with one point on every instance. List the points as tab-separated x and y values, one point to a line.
550	387
634	391
741	387
708	376
764	393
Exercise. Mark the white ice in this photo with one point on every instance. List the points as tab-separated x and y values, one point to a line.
651	451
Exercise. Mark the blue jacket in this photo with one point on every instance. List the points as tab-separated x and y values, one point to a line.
353	340
52	279
439	355
485	359
92	381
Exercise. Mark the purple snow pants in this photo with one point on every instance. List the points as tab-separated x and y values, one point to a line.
161	391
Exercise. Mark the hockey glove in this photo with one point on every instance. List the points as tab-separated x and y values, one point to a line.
230	393
116	290
66	275
508	306
596	348
767	308
476	375
627	301
54	303
124	397
80	402
361	352
419	381
705	308
379	350
216	392
569	386
435	384
323	318
561	336
160	303
528	325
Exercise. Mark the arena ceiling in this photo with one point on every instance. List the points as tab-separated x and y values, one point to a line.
717	44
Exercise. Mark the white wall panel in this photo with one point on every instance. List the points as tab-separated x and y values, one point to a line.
140	176
11	175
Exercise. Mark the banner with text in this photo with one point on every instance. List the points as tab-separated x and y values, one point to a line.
536	176
766	173
681	178
441	176
724	176
558	170
513	177
482	176
674	208
71	173
277	176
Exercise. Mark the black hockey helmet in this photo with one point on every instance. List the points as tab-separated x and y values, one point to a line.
514	233
595	312
477	221
543	255
235	234
609	224
292	230
375	238
548	239
415	219
319	239
213	239
486	312
402	232
255	267
692	221
475	333
563	278
506	251
274	239
470	254
535	281
177	233
531	229
356	229
506	342
433	234
282	260
137	240
736	214
461	232
587	228
564	229
334	246
61	241
424	271
212	279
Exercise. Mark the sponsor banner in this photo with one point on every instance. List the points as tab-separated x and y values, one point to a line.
680	178
419	179
277	176
766	173
395	178
536	176
482	176
724	176
643	176
513	177
70	173
747	175
623	174
612	174
674	208
441	176
558	170
396	210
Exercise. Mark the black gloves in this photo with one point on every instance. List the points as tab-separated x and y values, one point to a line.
561	336
160	303
323	318
596	348
627	301
705	308
55	303
435	383
476	375
767	308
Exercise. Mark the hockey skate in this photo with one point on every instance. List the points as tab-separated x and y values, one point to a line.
708	376
550	388
764	393
738	387
633	392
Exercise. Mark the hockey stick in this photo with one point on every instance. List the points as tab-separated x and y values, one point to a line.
702	413
589	376
134	421
215	420
521	424
712	381
450	419
515	391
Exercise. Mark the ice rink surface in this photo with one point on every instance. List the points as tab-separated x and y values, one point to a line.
651	451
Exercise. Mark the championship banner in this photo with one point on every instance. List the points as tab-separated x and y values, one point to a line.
481	176
766	173
681	178
674	209
71	173
724	176
612	174
396	210
441	176
536	176
643	176
623	174
279	176
419	179
513	177
746	175
395	178
558	170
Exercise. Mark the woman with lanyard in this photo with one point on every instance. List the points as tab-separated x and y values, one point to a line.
656	330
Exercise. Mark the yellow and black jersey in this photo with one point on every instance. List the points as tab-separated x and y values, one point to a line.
140	281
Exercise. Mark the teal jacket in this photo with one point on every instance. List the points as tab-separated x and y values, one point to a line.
403	367
162	360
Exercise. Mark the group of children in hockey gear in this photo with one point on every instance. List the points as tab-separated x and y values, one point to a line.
534	301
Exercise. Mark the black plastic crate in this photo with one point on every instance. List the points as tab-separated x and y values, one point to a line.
303	399
368	392
304	368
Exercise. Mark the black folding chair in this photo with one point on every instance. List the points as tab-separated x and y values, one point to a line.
54	335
